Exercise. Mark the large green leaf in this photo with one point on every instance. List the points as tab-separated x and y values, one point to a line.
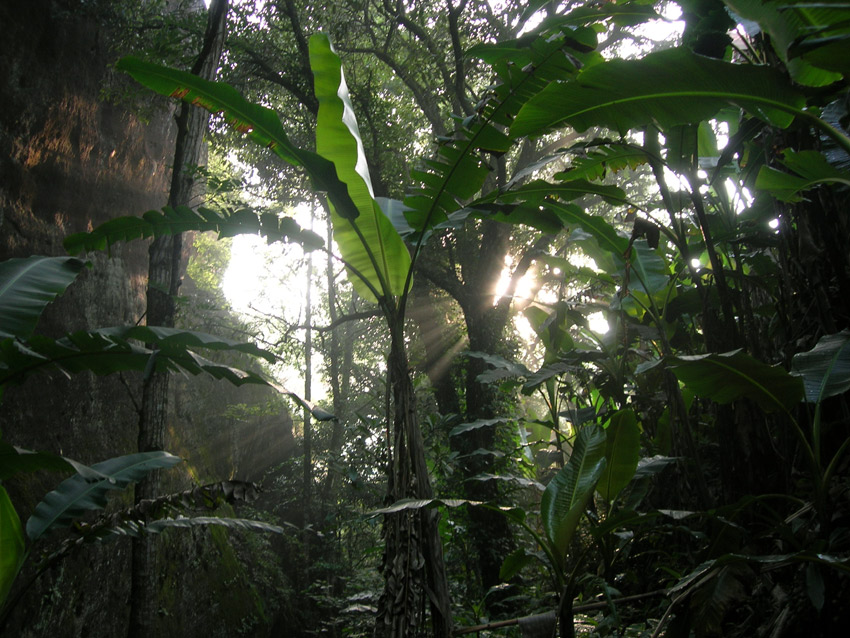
666	88
825	369
111	350
463	428
810	169
596	160
136	529
15	460
171	221
810	37
27	286
728	376
623	14
647	270
367	240
622	453
117	349
261	124
76	495
11	544
567	494
457	173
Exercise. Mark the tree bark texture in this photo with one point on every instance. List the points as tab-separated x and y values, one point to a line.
164	275
480	261
414	568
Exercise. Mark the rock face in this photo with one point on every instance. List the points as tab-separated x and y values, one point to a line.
68	162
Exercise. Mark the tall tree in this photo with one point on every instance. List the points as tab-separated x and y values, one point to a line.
164	276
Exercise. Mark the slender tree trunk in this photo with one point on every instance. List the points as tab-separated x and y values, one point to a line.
164	275
306	511
414	568
339	367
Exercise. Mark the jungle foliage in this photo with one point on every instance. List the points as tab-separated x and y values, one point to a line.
696	198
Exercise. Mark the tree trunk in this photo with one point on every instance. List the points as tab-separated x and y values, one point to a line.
164	277
339	371
480	260
413	559
308	395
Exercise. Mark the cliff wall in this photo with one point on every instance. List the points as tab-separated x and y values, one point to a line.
68	162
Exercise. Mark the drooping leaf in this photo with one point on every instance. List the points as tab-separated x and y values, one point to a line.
394	209
728	376
117	349
315	411
810	38
514	563
567	494
111	350
622	453
27	286
474	425
596	160
458	172
648	270
367	239
810	169
652	465
76	495
544	374
500	363
171	221
15	460
815	586
407	504
726	587
520	481
11	544
825	369
622	13
665	88
138	528
261	124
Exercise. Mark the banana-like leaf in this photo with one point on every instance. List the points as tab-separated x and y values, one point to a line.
76	495
27	286
15	460
810	38
261	124
666	88
527	205
136	529
117	349
171	221
514	563
367	239
825	369
407	504
474	425
567	494
810	169
317	413
512	479
11	544
622	453
458	172
623	13
647	272
601	158
110	350
728	376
